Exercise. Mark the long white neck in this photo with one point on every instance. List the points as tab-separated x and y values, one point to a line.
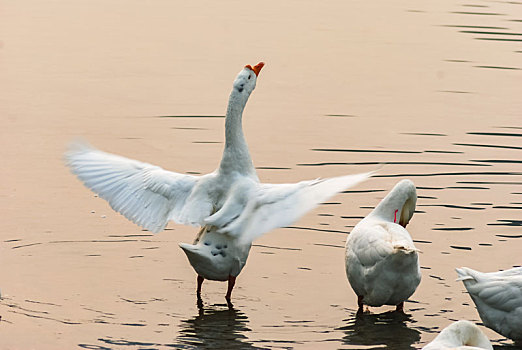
236	156
400	202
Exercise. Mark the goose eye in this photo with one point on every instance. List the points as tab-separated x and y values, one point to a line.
249	77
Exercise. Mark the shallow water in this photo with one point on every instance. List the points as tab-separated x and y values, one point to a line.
429	90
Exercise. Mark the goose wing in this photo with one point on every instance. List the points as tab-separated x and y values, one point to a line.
370	244
505	294
145	194
500	290
269	206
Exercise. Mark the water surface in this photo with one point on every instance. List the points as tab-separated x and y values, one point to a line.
428	90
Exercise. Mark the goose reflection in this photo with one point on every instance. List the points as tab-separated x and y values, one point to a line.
389	328
218	326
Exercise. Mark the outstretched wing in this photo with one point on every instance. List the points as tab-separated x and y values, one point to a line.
145	194
271	206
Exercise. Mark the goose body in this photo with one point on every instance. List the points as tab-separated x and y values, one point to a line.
215	256
230	205
498	298
382	263
460	335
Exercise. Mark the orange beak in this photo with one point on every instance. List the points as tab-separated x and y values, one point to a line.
257	67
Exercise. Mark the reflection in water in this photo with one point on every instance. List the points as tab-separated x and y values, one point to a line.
388	329
219	326
215	327
505	344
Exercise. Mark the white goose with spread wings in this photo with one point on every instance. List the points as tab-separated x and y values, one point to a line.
498	298
382	263
230	204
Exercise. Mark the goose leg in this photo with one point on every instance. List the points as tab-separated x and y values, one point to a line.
360	302
231	283
200	282
400	307
200	305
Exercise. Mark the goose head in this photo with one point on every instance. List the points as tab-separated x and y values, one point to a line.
461	333
245	81
399	205
408	208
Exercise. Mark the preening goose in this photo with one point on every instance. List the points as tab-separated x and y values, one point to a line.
382	263
230	204
460	335
498	298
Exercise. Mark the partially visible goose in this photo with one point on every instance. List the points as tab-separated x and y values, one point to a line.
230	204
460	335
498	298
382	263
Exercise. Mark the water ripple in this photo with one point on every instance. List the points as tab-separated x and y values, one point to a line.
453	228
451	206
500	67
507	222
361	150
478	13
495	134
499	39
189	116
498	161
316	229
488	32
484	145
468	26
391	163
452	174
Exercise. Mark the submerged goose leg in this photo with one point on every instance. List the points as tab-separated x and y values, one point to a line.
360	302
200	282
231	283
400	307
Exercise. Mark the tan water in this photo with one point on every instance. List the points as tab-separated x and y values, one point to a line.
433	89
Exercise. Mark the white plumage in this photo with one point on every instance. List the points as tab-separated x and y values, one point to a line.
460	335
498	298
230	204
382	263
145	194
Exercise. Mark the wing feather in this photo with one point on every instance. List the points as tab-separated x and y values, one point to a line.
270	206
145	194
500	290
370	244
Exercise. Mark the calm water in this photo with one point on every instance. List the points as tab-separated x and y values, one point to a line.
430	90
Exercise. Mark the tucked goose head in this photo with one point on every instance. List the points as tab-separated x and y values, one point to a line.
245	82
408	208
399	205
460	333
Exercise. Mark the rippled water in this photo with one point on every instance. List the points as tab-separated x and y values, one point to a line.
428	91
